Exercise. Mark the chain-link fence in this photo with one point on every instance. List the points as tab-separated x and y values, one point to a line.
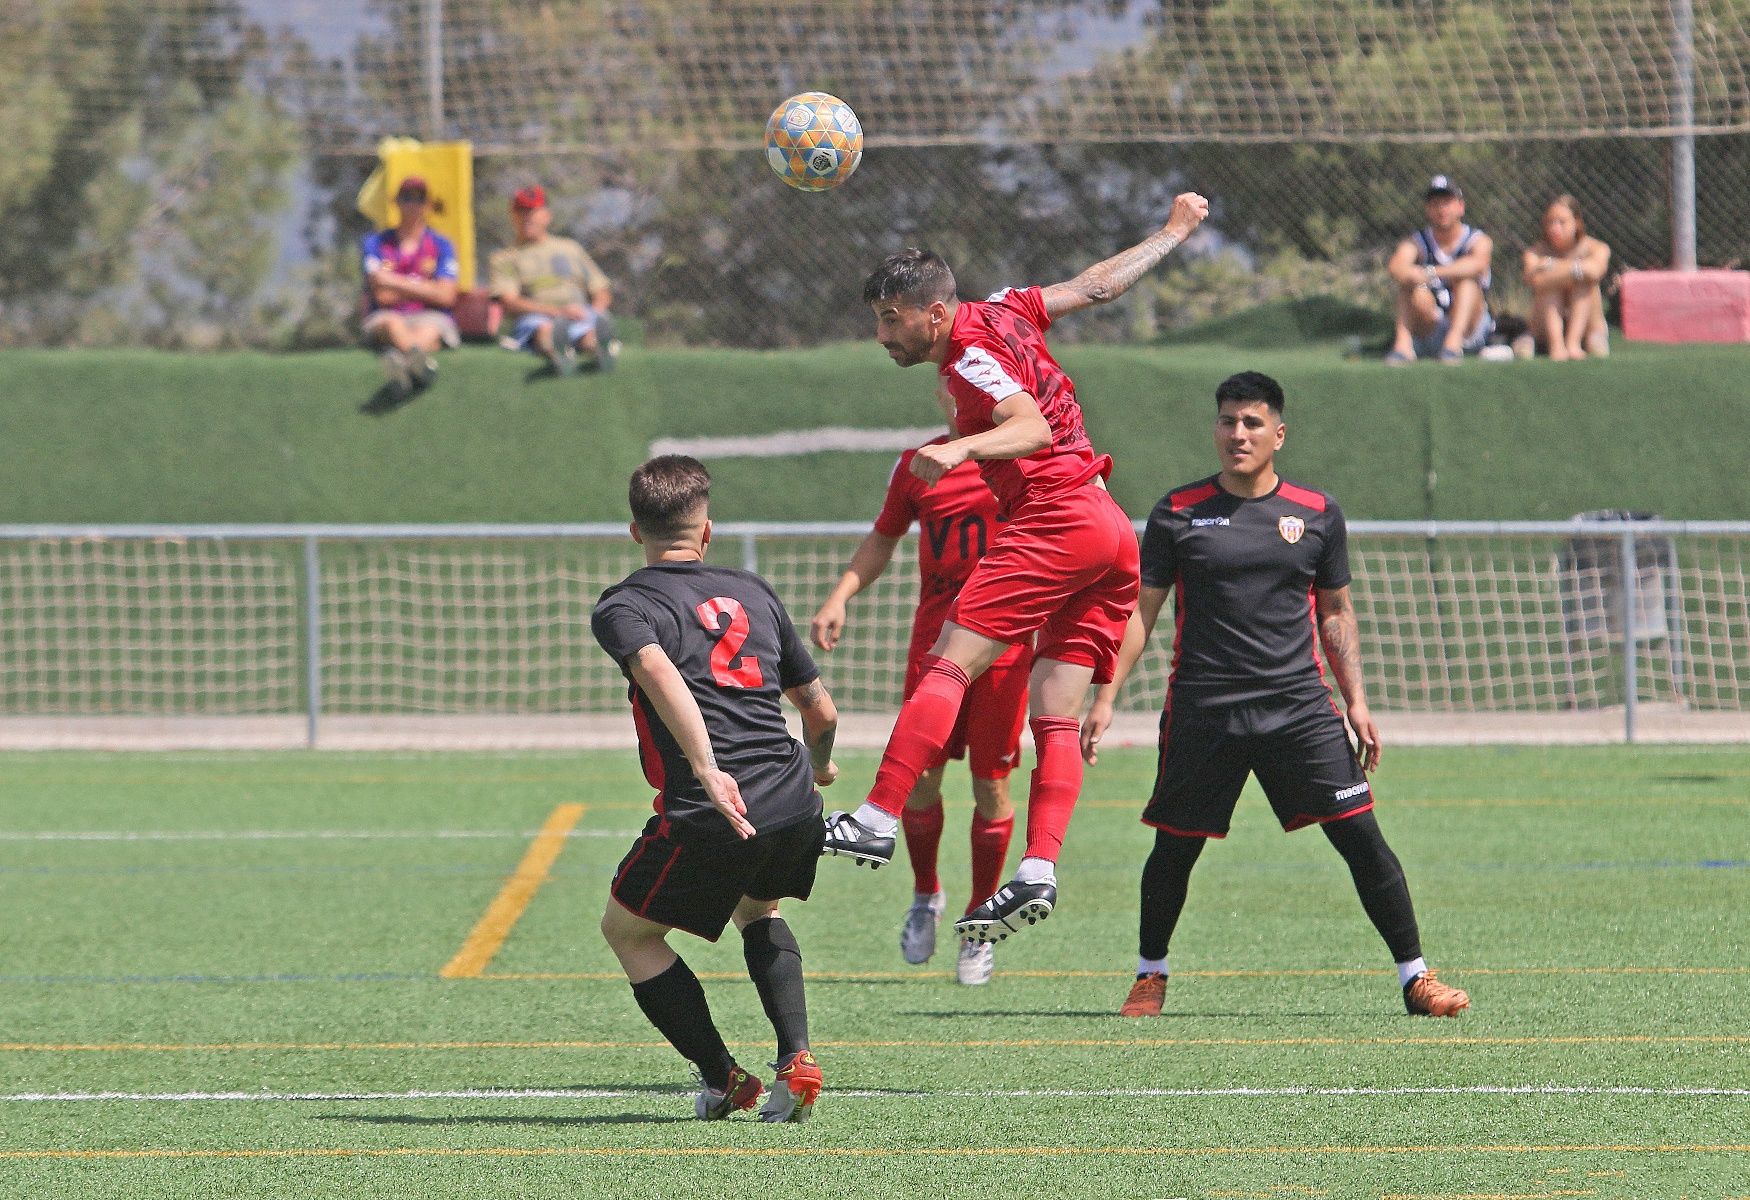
183	170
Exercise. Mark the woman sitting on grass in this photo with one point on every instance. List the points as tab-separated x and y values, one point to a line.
1564	272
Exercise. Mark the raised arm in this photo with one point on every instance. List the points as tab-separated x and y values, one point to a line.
1341	639
660	680
1106	281
868	561
1136	635
820	725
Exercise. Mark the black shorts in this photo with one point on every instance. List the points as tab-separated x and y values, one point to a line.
1299	751
695	885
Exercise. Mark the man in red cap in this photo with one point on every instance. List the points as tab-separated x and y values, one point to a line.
410	275
553	289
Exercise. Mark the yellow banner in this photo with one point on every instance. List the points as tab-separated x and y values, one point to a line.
448	171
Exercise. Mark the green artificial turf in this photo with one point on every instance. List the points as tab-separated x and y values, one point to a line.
1591	900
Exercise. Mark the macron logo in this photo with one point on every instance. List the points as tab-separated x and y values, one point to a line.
1200	522
1349	793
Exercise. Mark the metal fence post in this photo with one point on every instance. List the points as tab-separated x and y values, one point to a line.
312	638
1631	685
750	552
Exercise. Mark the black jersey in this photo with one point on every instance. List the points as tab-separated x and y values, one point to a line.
1242	573
735	646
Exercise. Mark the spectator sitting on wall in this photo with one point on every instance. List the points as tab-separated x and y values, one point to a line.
1442	277
1565	271
554	290
410	275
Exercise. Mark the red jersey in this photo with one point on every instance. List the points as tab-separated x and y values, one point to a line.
996	349
957	519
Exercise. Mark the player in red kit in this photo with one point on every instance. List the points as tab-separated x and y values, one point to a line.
957	519
1063	570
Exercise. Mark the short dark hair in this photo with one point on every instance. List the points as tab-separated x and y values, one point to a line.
666	491
1249	386
918	276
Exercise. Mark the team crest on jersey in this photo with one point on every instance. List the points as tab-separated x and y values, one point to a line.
1290	528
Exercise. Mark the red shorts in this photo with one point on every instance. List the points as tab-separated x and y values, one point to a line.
1066	568
992	715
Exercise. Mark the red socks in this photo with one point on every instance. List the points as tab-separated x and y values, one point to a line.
990	846
923	837
926	722
1055	784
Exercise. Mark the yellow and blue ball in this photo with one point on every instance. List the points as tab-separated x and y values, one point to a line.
814	141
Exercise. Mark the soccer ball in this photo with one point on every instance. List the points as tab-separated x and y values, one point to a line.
814	141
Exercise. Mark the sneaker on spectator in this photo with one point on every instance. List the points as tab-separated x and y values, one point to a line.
422	369
609	355
398	371
563	361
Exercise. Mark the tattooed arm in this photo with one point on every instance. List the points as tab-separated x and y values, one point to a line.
820	725
1108	280
1341	639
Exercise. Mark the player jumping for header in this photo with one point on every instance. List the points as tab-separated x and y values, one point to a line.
959	518
1064	568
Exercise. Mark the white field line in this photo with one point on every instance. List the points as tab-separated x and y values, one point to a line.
291	835
787	443
1019	1094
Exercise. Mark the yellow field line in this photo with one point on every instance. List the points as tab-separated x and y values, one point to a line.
860	1152
1311	972
1455	1039
502	914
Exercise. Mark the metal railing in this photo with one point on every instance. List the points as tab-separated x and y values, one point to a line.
1579	589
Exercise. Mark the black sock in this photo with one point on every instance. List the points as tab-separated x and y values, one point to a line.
675	1004
1165	879
1379	880
774	963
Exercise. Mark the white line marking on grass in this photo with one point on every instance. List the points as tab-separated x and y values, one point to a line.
292	835
1243	1093
787	443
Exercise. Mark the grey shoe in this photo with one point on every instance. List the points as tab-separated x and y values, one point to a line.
564	362
398	371
917	937
977	961
422	370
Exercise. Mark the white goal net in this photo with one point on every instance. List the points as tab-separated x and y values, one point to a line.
1518	628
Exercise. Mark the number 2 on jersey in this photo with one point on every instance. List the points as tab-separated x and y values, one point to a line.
726	668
